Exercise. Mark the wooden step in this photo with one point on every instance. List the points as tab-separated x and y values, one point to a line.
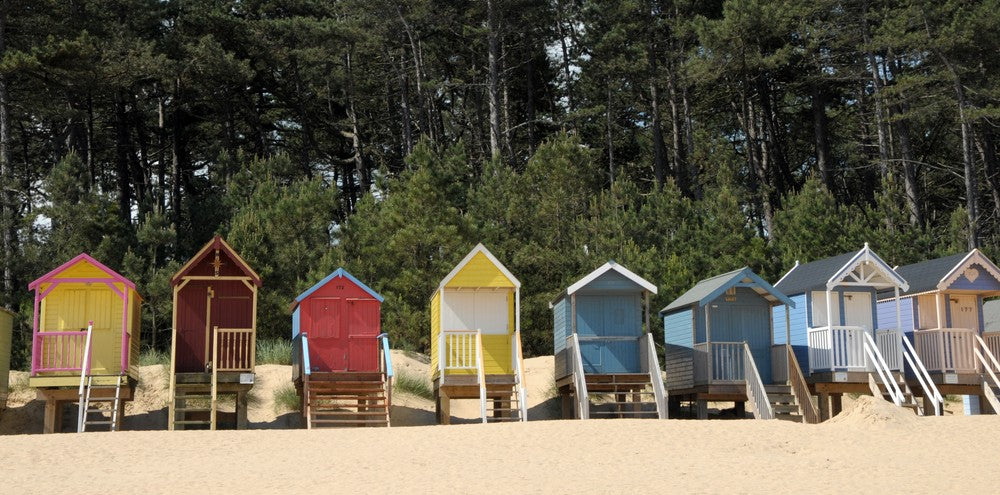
784	408
349	421
788	417
347	413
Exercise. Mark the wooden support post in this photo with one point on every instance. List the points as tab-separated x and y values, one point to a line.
836	404
53	416
445	409
928	406
702	406
497	404
741	409
241	409
636	401
984	406
620	398
824	406
673	406
437	405
566	403
121	414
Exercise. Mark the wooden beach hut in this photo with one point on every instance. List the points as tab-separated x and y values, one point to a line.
6	332
476	339
942	314
85	343
213	344
603	346
835	330
341	364
720	347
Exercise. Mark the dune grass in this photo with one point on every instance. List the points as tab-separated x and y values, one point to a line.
406	383
285	399
150	357
274	351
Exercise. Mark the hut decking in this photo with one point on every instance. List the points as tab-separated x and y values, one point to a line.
85	343
213	346
834	330
942	313
341	364
476	339
720	347
603	346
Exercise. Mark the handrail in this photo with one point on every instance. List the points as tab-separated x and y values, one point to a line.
755	387
306	373
386	366
656	379
459	349
923	376
989	353
522	394
482	374
84	370
871	349
59	356
215	375
799	388
836	347
579	380
991	397
238	354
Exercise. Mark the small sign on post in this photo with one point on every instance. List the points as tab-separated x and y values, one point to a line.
246	378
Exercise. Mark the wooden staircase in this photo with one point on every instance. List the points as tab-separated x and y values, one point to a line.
909	399
631	396
345	399
193	406
92	414
503	402
784	404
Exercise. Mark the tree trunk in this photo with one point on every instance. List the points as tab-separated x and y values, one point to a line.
493	78
881	128
404	106
565	54
910	184
821	133
987	152
177	159
6	170
122	160
659	153
610	137
161	156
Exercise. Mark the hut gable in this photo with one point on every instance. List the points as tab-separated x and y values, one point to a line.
480	269
863	268
83	268
216	259
712	288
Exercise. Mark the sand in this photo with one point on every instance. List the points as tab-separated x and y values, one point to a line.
871	446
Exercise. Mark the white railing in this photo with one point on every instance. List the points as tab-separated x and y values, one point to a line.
923	377
656	379
947	349
481	374
756	392
518	362
984	353
579	379
84	371
888	340
459	350
716	362
884	373
992	342
838	347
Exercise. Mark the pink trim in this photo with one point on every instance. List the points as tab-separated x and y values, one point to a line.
64	350
48	277
34	336
121	295
125	336
46	291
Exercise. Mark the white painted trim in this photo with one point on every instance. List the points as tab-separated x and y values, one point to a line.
787	273
866	254
480	248
974	257
609	266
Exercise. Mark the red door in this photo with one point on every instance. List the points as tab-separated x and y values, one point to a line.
327	346
363	330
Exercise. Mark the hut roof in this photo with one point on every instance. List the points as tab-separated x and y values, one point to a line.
610	266
53	275
480	249
710	289
938	274
339	272
219	243
827	273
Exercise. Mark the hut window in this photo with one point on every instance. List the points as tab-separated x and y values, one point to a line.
731	294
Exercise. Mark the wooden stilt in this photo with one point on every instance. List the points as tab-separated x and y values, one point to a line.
53	416
836	404
445	409
740	408
566	403
241	410
824	406
702	408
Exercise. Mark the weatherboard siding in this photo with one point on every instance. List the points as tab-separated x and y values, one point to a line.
679	336
560	330
887	314
984	282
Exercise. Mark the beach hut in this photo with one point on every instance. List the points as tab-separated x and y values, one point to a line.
341	364
212	350
835	333
603	345
6	330
942	314
476	339
721	347
85	343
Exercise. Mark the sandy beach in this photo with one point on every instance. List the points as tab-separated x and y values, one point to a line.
871	447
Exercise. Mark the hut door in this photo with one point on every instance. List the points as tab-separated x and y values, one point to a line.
964	313
327	349
362	330
591	330
858	310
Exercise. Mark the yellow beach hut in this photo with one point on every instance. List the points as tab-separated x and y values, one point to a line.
476	339
6	330
85	342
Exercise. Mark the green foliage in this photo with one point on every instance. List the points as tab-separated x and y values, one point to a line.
152	357
417	386
286	399
274	351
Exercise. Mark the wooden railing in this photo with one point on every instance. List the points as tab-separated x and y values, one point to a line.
923	376
884	373
947	349
458	350
84	370
800	389
984	353
518	362
838	347
232	349
655	378
481	374
756	392
58	351
579	378
992	342
385	366
889	344
306	374
719	362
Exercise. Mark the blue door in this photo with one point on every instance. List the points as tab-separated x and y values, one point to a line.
609	327
745	322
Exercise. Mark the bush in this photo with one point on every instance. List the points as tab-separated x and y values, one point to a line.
274	351
150	357
406	383
286	399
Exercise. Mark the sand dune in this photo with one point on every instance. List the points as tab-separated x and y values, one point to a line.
872	446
